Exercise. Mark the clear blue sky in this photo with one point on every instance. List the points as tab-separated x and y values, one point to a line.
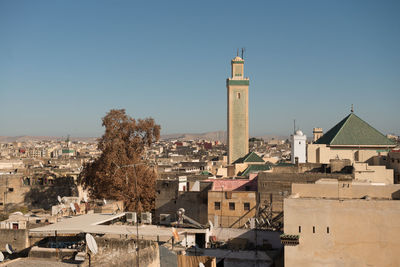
64	64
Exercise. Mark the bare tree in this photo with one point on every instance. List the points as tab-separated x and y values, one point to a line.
113	175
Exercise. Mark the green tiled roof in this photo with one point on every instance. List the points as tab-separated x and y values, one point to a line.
255	168
284	164
354	131
250	157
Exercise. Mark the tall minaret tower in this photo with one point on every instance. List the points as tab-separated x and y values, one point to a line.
238	111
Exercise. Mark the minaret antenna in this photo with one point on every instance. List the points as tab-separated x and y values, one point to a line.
243	49
294	126
352	108
237	52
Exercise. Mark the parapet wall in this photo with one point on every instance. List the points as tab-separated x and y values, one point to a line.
122	252
18	239
345	190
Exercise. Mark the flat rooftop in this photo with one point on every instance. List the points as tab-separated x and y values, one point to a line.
91	223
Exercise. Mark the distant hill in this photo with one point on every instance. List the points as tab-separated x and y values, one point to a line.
210	136
213	136
25	138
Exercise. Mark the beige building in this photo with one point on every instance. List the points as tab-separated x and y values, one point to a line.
353	139
231	208
238	111
342	223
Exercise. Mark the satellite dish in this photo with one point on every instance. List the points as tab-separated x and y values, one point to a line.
211	225
201	264
104	201
85	198
17	213
91	243
71	205
59	199
1	256
9	249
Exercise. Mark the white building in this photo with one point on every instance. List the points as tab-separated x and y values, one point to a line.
299	147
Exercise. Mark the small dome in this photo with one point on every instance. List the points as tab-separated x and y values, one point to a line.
298	132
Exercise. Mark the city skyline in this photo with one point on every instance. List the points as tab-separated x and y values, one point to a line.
64	65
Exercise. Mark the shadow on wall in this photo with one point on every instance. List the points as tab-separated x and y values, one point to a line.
43	197
396	195
169	200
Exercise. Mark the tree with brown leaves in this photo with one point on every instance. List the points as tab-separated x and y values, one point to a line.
115	174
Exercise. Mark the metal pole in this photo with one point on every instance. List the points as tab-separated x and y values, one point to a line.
137	217
222	198
137	205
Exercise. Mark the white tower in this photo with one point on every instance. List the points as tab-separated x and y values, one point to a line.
299	143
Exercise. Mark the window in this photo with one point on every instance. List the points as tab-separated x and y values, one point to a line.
231	205
313	229
10	189
299	229
246	206
238	95
217	205
327	230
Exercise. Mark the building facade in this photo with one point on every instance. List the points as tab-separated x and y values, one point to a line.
342	223
299	147
238	111
353	139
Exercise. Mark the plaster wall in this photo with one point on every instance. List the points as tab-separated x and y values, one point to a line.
342	232
298	148
238	122
228	217
341	190
373	174
321	153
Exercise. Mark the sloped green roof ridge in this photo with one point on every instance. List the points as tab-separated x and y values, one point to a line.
250	157
354	131
255	168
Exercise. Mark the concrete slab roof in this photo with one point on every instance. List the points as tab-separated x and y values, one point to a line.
90	223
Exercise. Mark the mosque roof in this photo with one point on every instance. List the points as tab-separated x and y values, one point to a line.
250	157
353	131
255	168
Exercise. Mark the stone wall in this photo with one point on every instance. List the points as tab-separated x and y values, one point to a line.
122	252
169	200
18	239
